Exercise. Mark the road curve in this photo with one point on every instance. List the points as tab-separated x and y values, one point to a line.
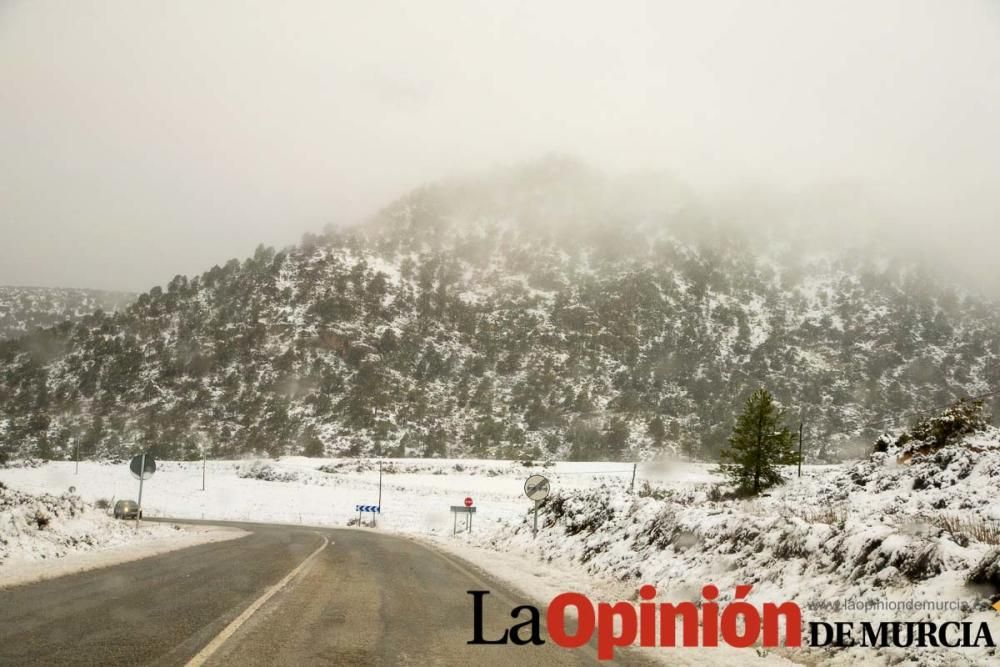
364	598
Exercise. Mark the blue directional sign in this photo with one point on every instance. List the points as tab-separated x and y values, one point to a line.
368	508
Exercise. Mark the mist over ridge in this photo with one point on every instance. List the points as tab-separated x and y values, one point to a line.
172	150
540	310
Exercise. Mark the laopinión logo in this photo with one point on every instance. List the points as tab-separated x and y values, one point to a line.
901	634
739	624
617	625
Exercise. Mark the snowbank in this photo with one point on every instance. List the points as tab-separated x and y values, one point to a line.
43	536
878	532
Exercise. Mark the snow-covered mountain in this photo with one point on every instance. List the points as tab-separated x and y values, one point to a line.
24	309
534	312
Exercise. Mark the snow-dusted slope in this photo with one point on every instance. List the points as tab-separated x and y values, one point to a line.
524	316
24	309
878	532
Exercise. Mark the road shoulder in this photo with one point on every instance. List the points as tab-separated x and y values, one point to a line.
22	572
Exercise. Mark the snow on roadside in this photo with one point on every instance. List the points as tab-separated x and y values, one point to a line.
878	532
416	497
44	536
875	530
416	493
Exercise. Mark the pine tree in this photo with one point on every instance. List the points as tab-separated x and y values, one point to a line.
656	430
759	444
616	434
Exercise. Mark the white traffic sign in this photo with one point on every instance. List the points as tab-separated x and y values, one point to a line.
536	487
143	462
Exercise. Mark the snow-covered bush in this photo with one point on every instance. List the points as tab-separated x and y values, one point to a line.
22	515
932	433
22	463
647	490
42	518
582	512
962	418
265	472
987	571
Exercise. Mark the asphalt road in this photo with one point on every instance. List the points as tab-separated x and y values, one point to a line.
357	597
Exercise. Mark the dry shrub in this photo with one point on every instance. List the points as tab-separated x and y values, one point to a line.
832	515
977	528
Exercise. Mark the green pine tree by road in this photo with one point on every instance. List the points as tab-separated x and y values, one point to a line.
760	443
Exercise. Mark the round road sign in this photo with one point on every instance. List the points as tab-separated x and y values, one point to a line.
137	464
537	487
468	502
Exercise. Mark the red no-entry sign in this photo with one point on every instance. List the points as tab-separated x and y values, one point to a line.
468	502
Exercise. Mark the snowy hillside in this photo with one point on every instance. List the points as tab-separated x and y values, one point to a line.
25	309
537	313
879	532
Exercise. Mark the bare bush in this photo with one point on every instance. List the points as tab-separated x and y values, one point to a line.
833	516
977	528
647	490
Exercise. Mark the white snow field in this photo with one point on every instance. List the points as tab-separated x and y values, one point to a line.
923	534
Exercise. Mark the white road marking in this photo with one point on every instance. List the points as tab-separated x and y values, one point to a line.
213	646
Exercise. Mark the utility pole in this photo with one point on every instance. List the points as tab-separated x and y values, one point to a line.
380	485
203	439
800	449
142	475
78	456
632	486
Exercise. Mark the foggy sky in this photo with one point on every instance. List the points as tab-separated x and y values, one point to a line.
141	139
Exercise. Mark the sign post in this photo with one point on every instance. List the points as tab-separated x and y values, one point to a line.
536	488
800	449
468	510
142	467
374	509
